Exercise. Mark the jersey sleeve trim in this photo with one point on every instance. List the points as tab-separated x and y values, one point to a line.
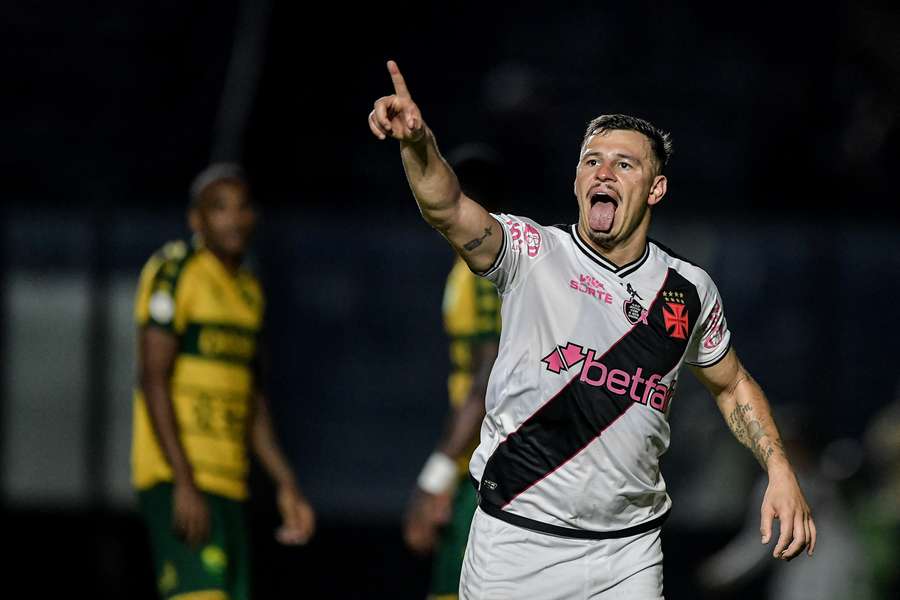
713	361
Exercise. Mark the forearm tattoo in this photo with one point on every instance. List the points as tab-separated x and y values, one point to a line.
736	422
469	246
748	429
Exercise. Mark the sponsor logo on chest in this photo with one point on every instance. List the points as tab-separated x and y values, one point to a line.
640	387
591	286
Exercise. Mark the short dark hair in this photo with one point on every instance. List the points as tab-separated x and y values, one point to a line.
214	173
660	140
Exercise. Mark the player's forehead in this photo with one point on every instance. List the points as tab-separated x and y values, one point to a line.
225	189
618	141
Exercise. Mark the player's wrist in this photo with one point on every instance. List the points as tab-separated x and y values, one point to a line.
778	467
438	475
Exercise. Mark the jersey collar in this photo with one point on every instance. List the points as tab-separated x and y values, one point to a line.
621	271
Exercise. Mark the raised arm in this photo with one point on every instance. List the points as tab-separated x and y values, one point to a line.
746	410
473	233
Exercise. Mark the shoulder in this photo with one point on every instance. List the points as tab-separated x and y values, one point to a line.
169	262
528	234
248	280
685	267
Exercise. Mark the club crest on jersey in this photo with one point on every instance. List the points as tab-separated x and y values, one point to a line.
634	311
675	315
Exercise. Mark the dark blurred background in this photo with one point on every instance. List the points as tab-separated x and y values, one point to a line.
785	124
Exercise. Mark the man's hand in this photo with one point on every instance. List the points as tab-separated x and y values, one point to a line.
397	115
784	501
424	517
190	514
747	412
299	521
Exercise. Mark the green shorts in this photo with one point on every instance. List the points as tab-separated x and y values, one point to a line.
451	548
219	569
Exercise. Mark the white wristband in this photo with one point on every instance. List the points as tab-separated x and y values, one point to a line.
438	475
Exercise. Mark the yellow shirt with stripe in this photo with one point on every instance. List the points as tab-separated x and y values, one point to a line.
217	317
471	311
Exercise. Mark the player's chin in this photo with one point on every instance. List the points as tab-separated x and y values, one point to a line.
235	246
604	239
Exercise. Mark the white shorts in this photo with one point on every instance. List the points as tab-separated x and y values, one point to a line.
505	562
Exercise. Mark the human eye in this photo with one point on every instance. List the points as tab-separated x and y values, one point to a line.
624	165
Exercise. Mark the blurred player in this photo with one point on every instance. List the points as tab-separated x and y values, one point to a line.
199	402
441	508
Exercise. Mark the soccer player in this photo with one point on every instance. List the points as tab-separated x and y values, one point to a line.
441	507
199	404
597	321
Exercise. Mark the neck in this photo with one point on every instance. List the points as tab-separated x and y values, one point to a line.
620	251
622	254
230	262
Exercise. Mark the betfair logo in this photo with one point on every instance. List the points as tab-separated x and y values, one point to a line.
639	387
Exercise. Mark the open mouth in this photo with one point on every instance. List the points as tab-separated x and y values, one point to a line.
601	197
602	212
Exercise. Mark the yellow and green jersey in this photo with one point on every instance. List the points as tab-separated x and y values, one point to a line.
471	316
217	317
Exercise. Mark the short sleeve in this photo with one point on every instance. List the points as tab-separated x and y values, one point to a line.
161	295
523	242
712	338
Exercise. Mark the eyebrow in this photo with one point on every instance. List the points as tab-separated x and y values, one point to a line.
614	155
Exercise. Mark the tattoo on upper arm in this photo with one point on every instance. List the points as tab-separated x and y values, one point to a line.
469	246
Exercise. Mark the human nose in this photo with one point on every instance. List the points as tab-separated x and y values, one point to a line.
603	172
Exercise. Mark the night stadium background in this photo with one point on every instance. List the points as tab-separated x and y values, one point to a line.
786	142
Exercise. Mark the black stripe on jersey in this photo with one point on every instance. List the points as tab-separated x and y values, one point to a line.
579	413
621	271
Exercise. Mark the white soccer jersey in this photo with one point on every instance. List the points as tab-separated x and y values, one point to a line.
578	398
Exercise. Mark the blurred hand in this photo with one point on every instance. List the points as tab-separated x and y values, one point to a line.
190	517
397	115
424	517
298	518
784	501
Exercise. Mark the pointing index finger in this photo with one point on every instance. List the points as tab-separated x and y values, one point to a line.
397	79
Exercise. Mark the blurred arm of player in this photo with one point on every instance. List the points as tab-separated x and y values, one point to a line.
298	518
430	506
746	410
156	359
473	233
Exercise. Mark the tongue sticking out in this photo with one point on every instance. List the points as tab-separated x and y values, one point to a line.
601	216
